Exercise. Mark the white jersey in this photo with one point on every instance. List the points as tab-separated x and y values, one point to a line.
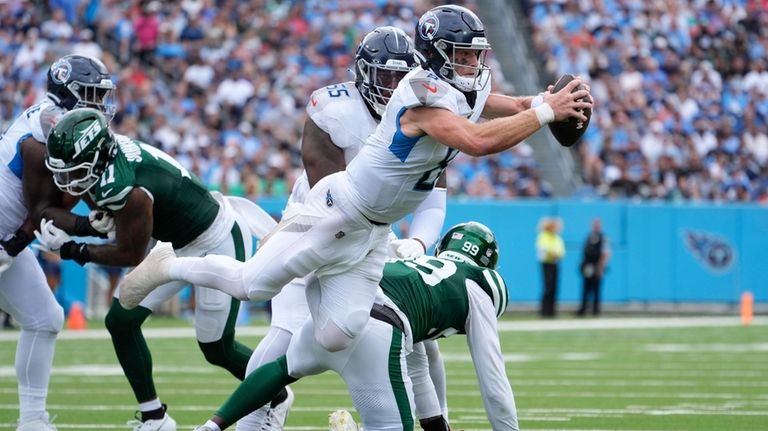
36	122
340	111
393	173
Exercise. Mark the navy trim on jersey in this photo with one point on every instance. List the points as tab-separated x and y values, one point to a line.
15	165
402	145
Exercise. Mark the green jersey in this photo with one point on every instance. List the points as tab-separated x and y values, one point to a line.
182	207
432	292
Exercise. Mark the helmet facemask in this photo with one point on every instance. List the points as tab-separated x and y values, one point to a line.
380	80
456	70
78	179
97	96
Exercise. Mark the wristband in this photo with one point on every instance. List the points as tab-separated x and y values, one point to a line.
18	242
537	100
544	114
75	251
83	227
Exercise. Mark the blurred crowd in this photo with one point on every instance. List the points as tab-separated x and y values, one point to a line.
681	90
222	85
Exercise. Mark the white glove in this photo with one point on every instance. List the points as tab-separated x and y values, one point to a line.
51	238
408	248
102	221
5	259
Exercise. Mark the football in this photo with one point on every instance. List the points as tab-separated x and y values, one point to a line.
569	132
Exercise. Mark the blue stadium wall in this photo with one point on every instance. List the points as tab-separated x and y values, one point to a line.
660	252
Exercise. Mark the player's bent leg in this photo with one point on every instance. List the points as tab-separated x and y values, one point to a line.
341	302
151	273
215	319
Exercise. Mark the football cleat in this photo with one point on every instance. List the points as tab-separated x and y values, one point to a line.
39	424
341	420
203	428
276	416
165	424
153	271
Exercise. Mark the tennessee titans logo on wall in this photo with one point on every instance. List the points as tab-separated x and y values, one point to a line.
715	253
428	25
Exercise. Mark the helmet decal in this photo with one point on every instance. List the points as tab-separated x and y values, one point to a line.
87	137
428	25
61	70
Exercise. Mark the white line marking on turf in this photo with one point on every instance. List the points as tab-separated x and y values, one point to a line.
504	326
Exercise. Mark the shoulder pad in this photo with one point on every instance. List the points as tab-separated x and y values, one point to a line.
327	105
429	90
49	116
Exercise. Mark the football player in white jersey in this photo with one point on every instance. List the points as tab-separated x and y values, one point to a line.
339	119
27	193
340	233
455	292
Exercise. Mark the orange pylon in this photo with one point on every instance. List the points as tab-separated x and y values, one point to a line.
76	319
747	302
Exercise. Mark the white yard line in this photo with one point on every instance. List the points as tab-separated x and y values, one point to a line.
504	326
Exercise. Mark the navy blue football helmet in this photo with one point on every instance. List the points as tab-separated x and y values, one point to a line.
383	58
452	41
76	81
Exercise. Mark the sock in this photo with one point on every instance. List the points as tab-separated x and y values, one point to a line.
155	414
124	327
259	388
217	272
279	398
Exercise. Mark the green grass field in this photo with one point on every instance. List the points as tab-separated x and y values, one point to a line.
608	374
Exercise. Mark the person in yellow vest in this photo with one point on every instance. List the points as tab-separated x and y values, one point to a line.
550	250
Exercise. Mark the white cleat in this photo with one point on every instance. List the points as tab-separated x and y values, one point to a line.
165	424
276	416
203	428
341	420
40	424
152	272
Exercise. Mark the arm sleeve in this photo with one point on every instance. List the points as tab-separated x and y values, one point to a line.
428	218
424	395
485	349
437	374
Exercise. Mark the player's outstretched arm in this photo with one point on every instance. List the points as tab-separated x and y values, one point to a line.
496	135
320	155
485	349
499	105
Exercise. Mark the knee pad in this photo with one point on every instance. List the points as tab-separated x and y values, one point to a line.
334	338
119	319
55	320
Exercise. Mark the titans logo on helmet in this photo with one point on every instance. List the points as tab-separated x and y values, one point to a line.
428	25
60	71
714	253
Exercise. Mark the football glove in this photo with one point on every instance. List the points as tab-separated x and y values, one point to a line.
102	221
408	248
51	238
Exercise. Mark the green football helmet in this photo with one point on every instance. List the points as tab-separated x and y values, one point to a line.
470	242
79	148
